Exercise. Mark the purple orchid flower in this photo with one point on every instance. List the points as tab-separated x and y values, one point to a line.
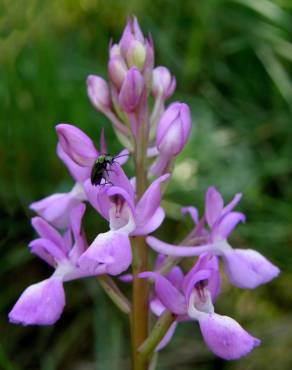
113	248
78	153
43	303
245	268
116	203
114	200
175	277
192	297
56	208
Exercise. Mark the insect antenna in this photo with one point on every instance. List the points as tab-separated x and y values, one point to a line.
122	155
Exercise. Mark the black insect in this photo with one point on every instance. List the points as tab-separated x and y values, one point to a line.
102	167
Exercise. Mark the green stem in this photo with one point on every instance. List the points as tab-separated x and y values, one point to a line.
139	317
158	332
154	361
115	294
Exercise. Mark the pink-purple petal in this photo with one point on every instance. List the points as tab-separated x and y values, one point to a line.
56	208
247	268
213	206
225	337
193	212
150	201
229	207
167	338
46	231
156	306
176	276
118	178
98	198
177	250
193	278
111	249
39	304
206	268
171	114
77	145
57	253
79	173
98	93
131	90
80	244
151	225
214	282
116	192
122	157
76	216
67	240
168	295
227	224
38	250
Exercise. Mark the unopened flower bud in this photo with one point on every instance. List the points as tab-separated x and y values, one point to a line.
131	33
149	62
117	70
136	54
114	50
173	129
98	93
163	84
131	90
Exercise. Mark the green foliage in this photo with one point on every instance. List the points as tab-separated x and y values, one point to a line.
232	60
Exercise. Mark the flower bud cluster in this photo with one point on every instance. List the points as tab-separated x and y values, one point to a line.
133	82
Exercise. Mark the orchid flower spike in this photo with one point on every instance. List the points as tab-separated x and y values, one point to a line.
191	297
245	268
43	303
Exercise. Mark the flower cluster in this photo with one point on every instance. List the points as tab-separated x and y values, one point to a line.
134	100
192	296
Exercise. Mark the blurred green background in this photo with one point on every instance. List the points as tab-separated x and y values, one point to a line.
233	63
